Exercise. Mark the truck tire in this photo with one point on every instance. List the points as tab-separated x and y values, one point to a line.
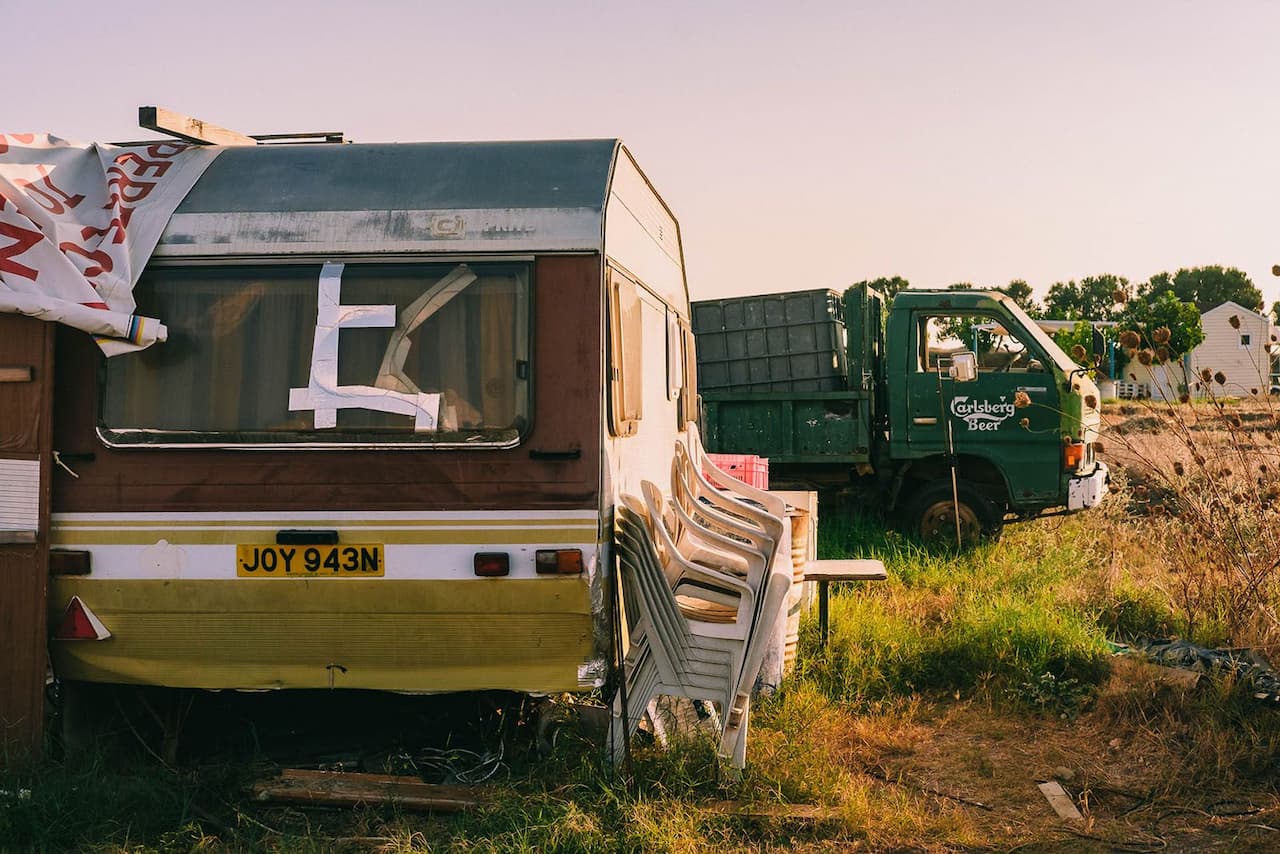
930	514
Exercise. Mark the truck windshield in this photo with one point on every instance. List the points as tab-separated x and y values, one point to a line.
1042	338
332	354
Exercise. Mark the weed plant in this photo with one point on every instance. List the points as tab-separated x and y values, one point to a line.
1205	484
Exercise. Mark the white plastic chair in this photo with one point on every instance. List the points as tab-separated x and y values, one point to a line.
709	580
669	654
674	654
713	517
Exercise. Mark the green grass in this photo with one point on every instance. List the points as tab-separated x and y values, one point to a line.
988	619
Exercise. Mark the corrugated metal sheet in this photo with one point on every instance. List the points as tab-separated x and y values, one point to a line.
433	197
19	495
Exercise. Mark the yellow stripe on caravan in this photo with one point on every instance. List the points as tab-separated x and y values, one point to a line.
70	535
431	635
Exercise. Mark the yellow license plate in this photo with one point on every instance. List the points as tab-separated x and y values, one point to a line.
355	560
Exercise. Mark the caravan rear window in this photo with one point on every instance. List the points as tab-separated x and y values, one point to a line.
328	354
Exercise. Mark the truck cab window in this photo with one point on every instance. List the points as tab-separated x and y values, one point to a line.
998	349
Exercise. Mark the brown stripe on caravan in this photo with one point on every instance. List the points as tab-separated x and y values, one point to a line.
25	445
567	353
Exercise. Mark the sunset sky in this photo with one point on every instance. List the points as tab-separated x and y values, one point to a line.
801	145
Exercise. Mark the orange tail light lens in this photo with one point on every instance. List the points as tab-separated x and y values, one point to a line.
1072	455
558	561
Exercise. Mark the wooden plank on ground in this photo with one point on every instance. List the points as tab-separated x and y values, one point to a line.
800	812
1060	801
346	789
192	130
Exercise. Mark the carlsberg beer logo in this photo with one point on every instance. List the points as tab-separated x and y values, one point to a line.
982	414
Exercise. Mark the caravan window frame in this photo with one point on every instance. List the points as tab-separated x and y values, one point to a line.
317	438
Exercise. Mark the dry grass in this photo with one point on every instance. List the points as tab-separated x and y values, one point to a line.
1204	502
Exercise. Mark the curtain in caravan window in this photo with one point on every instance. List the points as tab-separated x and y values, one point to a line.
241	338
626	365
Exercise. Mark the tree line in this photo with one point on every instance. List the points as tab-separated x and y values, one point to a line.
1164	311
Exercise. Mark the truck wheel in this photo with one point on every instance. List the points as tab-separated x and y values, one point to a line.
931	514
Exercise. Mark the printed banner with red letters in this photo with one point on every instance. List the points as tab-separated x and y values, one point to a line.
78	223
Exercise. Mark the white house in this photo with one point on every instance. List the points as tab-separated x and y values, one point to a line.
1237	344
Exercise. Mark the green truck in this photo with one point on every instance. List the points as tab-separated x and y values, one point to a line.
948	409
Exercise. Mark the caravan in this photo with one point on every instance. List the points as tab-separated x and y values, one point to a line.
381	446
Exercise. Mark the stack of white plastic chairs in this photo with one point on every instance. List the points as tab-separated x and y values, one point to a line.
705	574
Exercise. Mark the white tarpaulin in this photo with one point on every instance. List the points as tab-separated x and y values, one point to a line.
78	223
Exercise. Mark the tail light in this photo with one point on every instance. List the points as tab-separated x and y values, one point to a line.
558	561
79	623
492	564
1072	455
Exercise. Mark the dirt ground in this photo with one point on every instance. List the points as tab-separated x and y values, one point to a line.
1138	786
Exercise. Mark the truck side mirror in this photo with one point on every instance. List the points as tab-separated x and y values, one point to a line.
964	367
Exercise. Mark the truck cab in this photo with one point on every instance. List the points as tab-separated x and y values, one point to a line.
853	395
1022	431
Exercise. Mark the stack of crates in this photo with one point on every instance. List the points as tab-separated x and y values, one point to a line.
789	342
750	469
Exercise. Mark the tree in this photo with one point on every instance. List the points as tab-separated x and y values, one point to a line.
1092	298
1160	329
887	285
1020	292
1206	287
1081	336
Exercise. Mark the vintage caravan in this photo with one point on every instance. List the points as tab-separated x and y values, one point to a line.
381	446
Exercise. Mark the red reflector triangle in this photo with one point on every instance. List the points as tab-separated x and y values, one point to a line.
79	623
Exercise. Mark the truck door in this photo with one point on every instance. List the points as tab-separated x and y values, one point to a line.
1023	442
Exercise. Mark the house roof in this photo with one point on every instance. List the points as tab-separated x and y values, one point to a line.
1232	305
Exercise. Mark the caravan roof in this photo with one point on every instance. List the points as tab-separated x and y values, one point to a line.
389	198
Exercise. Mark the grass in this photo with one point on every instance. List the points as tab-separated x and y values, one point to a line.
961	680
987	620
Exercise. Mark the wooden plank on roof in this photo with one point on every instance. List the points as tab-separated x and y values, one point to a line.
191	129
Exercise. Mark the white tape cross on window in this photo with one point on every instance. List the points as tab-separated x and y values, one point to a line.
323	394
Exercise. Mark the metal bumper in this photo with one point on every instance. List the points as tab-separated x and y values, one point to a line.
1086	491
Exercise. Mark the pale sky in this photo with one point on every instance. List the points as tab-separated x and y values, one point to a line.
800	145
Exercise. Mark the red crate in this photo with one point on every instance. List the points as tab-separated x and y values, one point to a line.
748	468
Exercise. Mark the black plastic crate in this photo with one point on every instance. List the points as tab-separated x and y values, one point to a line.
771	342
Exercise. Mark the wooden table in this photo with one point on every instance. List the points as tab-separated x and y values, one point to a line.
826	571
